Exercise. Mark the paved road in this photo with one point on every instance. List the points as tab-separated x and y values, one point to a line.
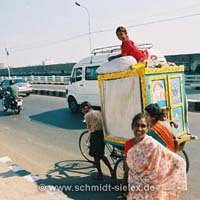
191	93
45	125
43	139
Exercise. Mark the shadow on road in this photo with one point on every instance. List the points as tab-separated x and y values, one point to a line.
7	113
60	118
11	173
75	179
7	174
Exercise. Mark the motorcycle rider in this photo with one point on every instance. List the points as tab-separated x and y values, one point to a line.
13	92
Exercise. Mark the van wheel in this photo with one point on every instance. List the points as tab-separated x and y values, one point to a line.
73	105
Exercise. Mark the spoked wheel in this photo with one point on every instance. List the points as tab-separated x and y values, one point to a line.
84	145
108	153
3	106
119	169
184	155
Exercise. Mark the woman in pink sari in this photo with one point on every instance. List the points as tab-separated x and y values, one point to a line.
154	172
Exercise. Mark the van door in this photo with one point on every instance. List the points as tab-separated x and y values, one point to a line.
91	85
76	85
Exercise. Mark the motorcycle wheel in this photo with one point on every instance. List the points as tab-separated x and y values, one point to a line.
17	110
3	106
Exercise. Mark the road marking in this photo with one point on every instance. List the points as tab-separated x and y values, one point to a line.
57	194
5	159
31	178
15	168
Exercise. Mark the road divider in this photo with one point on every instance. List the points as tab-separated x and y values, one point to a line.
49	83
57	93
193	105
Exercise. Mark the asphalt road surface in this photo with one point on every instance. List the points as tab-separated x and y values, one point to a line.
43	139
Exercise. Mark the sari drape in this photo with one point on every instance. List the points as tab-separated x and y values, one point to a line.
155	172
164	133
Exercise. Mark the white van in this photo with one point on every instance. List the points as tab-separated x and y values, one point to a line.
83	84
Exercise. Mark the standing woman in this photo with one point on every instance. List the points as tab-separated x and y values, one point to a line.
154	172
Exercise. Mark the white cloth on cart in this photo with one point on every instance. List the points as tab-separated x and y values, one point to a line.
117	65
121	101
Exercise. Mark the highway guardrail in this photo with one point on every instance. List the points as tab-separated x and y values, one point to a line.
190	80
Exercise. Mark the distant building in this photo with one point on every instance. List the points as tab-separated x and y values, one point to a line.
190	61
40	70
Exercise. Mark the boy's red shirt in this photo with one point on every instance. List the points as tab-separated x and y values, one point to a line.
129	49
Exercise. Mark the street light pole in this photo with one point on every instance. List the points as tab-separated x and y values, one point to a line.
7	63
89	31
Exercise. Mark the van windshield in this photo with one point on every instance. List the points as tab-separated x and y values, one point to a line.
90	73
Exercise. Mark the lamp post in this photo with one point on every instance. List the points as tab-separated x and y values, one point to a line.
8	66
89	31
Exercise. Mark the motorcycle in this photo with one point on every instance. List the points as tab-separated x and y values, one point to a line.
14	104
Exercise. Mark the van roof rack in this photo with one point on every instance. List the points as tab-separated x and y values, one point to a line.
111	49
145	46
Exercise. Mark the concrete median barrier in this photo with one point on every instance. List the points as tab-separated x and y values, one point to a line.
60	93
194	105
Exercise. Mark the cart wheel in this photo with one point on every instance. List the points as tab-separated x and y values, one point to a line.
84	144
184	155
119	169
108	153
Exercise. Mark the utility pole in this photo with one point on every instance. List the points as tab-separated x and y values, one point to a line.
8	66
89	31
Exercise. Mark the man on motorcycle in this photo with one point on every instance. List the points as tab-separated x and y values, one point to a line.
13	92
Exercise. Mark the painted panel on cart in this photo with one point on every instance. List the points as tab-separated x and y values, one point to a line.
176	96
157	90
177	102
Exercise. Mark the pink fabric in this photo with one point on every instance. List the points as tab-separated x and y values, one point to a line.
156	171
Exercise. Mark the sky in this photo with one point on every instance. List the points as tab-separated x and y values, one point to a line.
57	31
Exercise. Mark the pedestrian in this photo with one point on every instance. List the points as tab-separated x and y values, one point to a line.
94	123
128	47
152	171
158	129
